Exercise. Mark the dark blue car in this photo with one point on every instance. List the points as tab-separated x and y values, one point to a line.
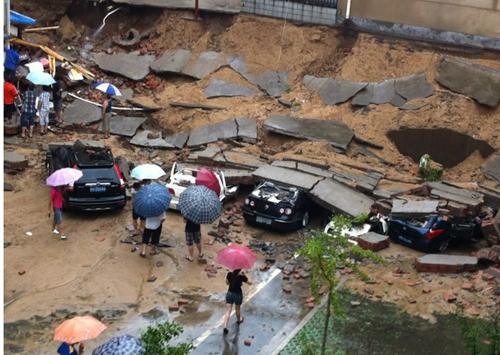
433	234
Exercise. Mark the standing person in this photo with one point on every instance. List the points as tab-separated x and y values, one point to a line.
11	62
152	233
137	220
193	236
55	205
234	296
107	106
70	349
9	96
57	99
44	109
28	112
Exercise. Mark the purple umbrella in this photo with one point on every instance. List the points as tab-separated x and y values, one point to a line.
65	176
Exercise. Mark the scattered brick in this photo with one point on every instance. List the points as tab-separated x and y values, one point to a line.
173	307
287	288
182	301
449	297
22	272
247	342
152	278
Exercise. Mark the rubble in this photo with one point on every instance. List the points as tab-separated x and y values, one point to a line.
129	65
444	263
125	126
489	255
287	177
373	241
15	161
451	193
413	87
492	167
334	132
333	91
142	139
81	113
227	129
479	82
131	38
222	88
195	105
413	208
145	102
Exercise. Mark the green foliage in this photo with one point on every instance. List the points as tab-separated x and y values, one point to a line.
427	171
482	337
360	218
156	338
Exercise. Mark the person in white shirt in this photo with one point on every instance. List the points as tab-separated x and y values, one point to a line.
152	233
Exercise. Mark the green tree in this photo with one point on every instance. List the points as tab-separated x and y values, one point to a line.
327	252
156	338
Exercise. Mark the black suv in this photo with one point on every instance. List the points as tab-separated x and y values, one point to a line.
101	187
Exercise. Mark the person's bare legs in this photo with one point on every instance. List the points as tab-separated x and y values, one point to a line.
198	246
143	251
229	309
24	132
31	132
191	252
237	309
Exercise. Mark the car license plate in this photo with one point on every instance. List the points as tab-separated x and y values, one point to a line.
98	189
263	220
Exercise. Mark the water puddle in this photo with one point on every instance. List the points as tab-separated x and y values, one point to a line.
445	146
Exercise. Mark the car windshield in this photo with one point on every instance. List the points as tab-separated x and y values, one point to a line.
98	174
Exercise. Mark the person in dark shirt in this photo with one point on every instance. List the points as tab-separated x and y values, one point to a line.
234	295
193	236
57	98
28	112
11	61
70	349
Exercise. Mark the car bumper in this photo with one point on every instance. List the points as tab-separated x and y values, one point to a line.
421	244
95	204
174	204
262	219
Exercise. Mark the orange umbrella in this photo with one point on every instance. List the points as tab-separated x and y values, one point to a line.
78	329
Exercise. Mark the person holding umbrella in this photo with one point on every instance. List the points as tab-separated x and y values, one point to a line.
193	236
107	105
235	257
74	331
28	112
70	349
43	109
58	180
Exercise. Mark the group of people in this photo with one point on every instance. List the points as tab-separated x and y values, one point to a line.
34	100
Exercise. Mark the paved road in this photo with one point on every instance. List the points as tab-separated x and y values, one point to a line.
270	315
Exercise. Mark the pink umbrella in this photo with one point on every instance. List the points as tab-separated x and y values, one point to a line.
235	257
207	178
65	176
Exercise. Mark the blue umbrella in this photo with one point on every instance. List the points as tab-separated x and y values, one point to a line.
108	88
152	200
122	345
41	78
199	204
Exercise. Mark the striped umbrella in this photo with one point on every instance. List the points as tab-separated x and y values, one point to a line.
122	345
199	204
108	88
152	200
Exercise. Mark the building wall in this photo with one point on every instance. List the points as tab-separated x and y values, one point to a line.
477	17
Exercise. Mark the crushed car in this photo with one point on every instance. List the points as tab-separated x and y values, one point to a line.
277	207
101	186
183	176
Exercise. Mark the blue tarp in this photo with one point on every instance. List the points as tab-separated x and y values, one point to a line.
20	19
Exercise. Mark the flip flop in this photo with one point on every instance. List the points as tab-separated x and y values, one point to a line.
142	255
201	256
240	321
188	258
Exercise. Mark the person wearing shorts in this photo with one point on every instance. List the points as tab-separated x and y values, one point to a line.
234	295
55	206
193	236
44	109
152	233
137	220
107	106
28	113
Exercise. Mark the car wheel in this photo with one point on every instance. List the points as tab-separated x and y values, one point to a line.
443	245
305	219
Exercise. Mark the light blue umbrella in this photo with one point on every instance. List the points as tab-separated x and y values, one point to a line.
147	171
151	200
41	78
122	345
108	88
199	204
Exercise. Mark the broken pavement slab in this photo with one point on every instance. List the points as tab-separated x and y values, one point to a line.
222	88
234	128
413	208
334	132
125	126
171	61
456	194
15	161
373	241
195	105
247	129
273	83
142	139
340	198
333	91
287	177
476	81
129	65
492	167
413	87
446	263
239	160
81	113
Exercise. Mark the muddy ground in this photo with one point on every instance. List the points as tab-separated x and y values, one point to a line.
93	271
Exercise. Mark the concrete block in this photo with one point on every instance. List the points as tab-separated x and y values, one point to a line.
446	263
373	241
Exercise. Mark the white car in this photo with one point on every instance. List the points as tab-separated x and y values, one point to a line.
183	176
358	230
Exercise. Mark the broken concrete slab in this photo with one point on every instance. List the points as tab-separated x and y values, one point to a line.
125	125
222	88
383	92
15	161
286	176
364	97
413	208
145	102
8	187
171	61
127	94
289	164
206	63
142	139
339	198
207	154
364	182
211	133
333	91
196	105
129	65
81	113
492	167
334	132
373	241
451	193
177	140
239	160
476	81
247	129
238	176
273	83
413	86
446	263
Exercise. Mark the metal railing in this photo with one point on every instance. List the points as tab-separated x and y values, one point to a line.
321	3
